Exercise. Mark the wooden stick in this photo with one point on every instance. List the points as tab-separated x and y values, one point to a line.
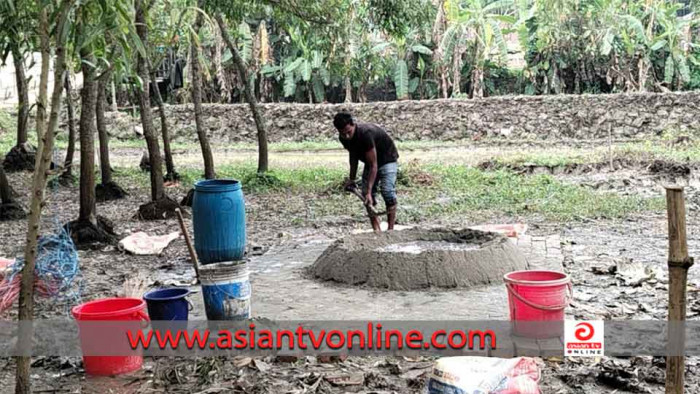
610	153
372	210
193	254
678	264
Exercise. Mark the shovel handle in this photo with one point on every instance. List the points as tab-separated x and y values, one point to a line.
193	254
372	211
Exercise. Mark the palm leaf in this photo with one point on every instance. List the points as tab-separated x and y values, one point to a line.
658	45
669	70
401	79
325	76
319	88
421	49
317	60
293	65
607	44
509	19
449	43
500	40
305	70
413	84
290	85
268	70
498	6
379	48
246	45
636	26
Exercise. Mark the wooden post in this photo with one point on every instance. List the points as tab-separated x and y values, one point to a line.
610	150
678	264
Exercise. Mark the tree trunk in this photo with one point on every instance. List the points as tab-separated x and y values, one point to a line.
456	73
22	95
170	173
643	70
477	82
362	92
218	65
443	82
70	152
250	97
143	96
5	190
101	103
43	160
197	101
42	101
477	75
348	90
88	98
114	107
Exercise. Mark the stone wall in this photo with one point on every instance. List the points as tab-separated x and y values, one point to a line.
511	117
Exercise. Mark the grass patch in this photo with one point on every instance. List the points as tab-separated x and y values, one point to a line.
549	159
471	190
301	180
659	149
308	146
454	190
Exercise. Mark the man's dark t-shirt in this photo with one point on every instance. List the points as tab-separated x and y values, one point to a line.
367	136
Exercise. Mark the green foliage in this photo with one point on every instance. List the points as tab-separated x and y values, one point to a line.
398	17
401	79
507	193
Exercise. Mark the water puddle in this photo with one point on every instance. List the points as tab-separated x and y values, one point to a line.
417	247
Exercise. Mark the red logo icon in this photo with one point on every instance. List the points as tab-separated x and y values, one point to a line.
584	338
584	331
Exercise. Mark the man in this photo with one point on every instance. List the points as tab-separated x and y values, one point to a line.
371	145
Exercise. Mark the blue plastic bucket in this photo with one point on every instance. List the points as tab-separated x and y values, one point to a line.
226	290
167	304
218	218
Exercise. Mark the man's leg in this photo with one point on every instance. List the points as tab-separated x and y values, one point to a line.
387	182
374	221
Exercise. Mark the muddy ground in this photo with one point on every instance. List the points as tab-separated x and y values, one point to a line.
594	252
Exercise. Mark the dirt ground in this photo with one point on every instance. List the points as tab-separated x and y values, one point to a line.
594	252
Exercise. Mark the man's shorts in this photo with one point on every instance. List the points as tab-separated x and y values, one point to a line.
386	180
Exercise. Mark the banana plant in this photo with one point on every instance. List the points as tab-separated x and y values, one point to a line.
402	50
305	65
675	42
478	24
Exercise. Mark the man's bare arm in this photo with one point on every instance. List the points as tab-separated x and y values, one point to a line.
371	161
353	167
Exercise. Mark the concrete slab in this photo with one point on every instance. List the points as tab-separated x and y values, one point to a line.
283	291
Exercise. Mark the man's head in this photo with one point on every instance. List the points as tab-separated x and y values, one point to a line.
345	125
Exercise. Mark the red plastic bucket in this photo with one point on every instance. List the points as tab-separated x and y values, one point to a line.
109	309
537	300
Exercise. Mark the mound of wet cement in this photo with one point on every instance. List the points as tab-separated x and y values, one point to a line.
419	258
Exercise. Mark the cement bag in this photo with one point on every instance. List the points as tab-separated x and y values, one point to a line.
484	375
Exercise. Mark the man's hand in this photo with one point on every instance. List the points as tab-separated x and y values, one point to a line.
349	184
368	199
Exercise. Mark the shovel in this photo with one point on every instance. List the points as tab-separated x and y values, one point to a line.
372	212
190	248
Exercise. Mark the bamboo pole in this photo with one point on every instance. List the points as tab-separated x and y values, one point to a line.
678	264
